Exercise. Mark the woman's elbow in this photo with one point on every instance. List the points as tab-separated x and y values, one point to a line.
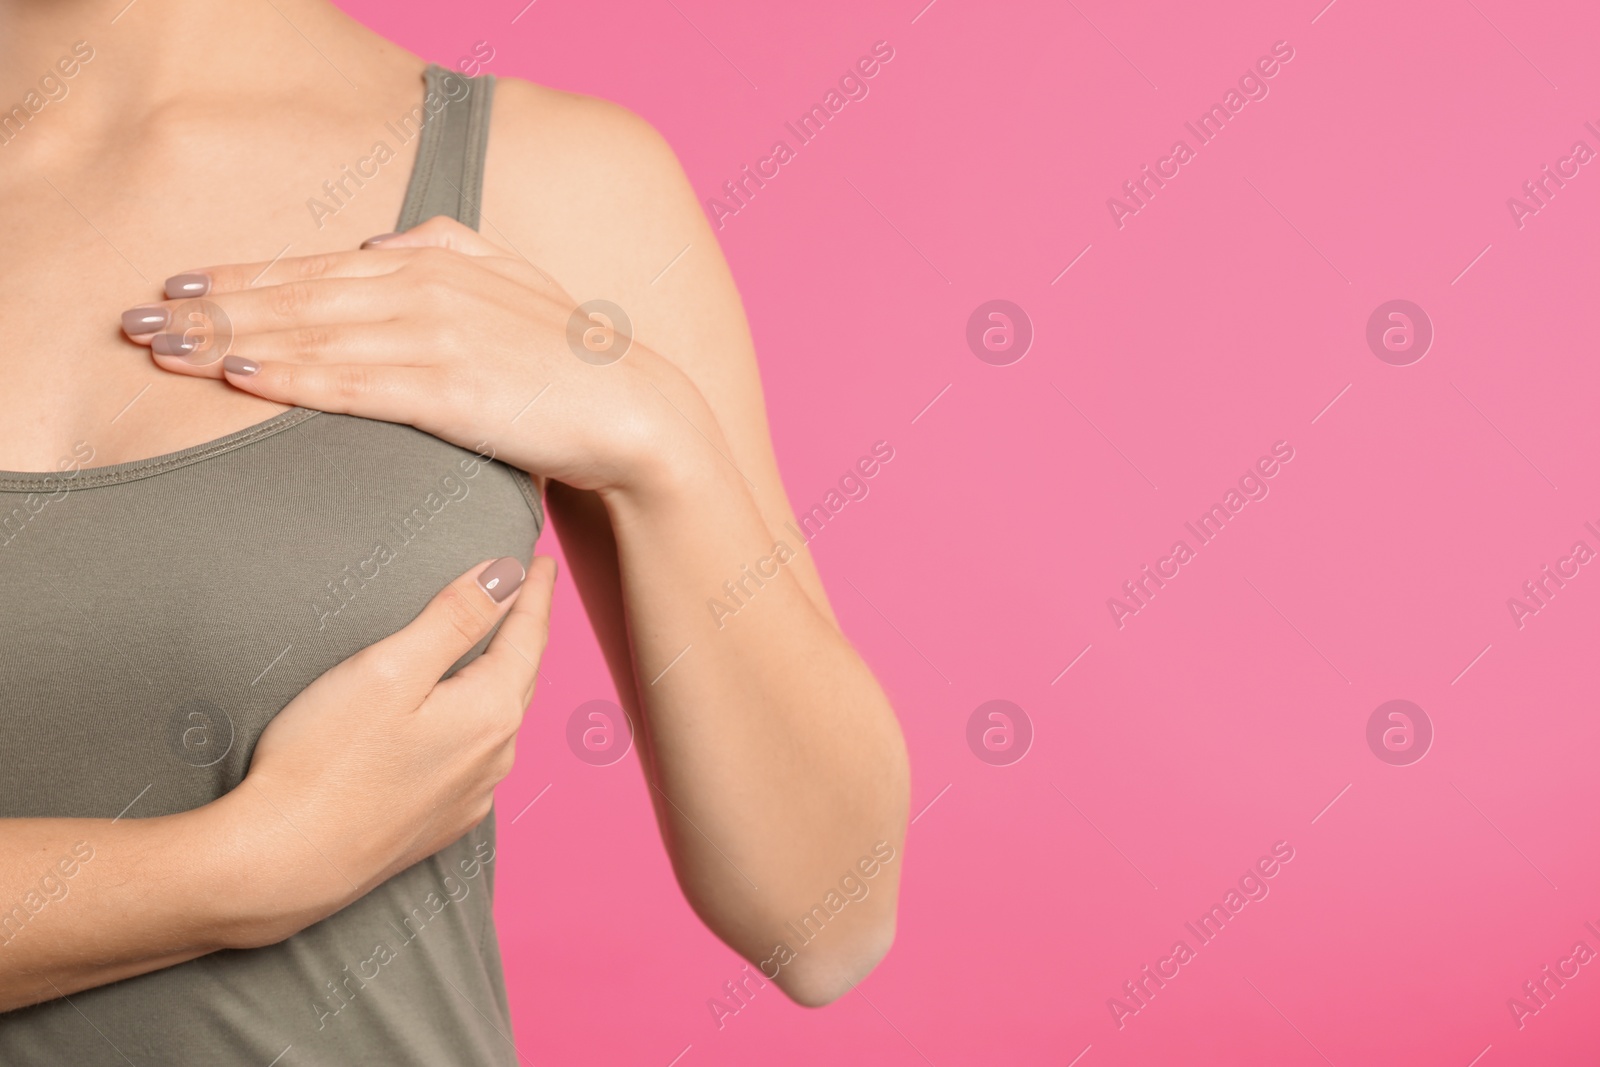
814	979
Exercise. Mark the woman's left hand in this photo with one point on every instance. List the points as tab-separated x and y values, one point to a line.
440	329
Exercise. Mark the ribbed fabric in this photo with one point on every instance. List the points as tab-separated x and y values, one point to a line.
448	176
155	616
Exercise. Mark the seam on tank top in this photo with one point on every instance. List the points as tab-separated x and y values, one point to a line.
431	150
493	823
483	928
427	154
477	148
530	493
149	468
436	144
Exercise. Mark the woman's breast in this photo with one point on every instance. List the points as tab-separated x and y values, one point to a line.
154	617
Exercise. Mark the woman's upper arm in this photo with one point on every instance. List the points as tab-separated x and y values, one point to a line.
592	194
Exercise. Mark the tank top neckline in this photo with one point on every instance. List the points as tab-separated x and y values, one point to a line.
133	470
436	148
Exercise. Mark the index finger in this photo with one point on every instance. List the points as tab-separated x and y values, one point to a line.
237	277
439	232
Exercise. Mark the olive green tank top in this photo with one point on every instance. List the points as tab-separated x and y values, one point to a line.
155	615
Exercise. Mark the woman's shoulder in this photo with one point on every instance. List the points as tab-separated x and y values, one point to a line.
577	139
594	194
594	186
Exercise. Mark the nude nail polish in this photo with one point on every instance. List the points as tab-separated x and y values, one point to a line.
378	240
182	285
240	366
502	578
171	344
146	318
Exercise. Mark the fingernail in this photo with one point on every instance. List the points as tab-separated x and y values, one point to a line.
171	344
146	318
378	240
181	285
502	578
240	366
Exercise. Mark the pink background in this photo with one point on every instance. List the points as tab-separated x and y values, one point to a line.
1227	714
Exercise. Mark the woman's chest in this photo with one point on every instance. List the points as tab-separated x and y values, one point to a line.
152	626
84	244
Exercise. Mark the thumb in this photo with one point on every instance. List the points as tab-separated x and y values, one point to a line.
519	644
415	657
441	231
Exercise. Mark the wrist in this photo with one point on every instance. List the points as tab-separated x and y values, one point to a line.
675	447
261	888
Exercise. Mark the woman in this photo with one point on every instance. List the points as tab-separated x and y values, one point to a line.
253	544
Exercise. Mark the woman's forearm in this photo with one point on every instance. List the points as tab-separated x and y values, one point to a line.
776	760
84	902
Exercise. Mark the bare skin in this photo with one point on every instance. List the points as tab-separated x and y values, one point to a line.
774	757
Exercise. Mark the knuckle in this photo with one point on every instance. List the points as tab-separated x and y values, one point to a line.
351	382
291	299
434	273
504	761
509	717
462	618
315	266
532	625
541	633
310	341
288	375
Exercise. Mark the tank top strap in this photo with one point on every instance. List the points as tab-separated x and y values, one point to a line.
448	176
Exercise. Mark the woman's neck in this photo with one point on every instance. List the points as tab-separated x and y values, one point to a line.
77	73
194	132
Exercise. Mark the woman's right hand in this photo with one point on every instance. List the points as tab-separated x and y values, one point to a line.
378	764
